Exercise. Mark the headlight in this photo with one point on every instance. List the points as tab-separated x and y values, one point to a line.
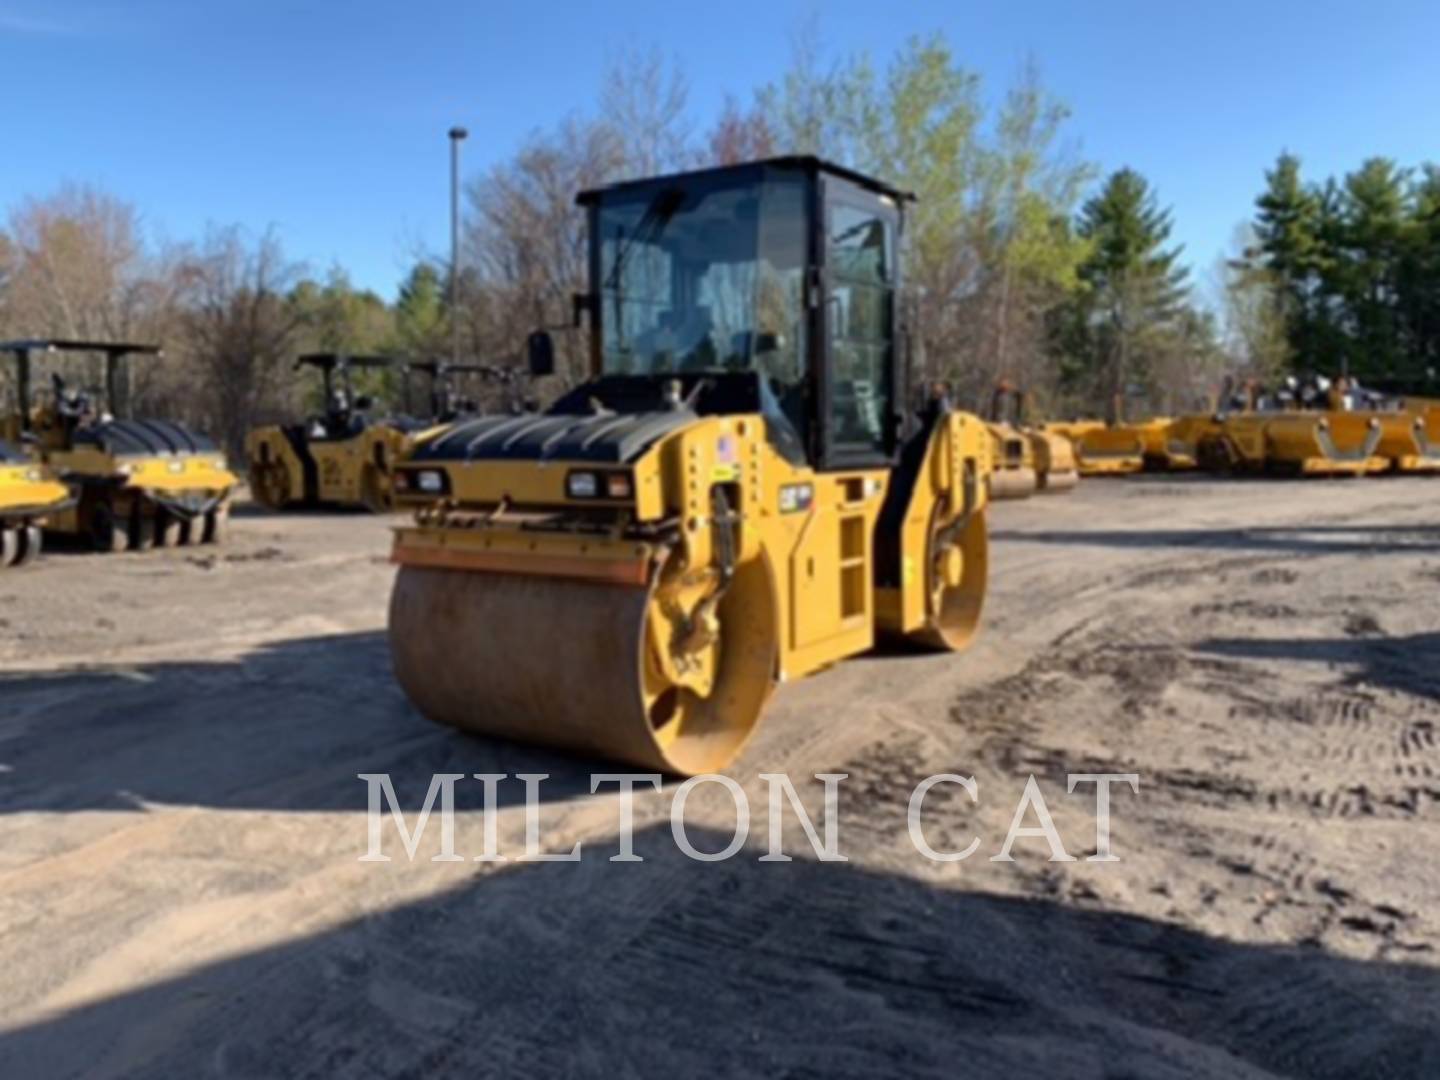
177	466
582	485
617	486
430	482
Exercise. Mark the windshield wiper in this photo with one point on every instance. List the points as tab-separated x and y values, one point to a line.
657	215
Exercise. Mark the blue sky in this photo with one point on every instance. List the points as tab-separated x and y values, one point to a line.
327	121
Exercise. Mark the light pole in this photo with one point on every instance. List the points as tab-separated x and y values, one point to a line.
457	135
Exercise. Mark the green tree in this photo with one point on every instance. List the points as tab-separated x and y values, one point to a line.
337	317
989	251
1133	301
1372	232
421	315
1291	257
1419	275
334	316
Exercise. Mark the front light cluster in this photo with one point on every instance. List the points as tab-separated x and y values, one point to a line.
584	484
422	481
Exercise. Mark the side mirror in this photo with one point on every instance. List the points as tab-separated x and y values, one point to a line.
766	342
363	402
540	353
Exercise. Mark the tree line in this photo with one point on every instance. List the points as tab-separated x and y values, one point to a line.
1023	260
1346	272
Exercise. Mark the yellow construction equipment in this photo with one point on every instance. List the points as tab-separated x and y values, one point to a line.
337	458
342	458
136	483
741	494
1177	447
1101	448
1027	459
1014	475
1410	441
1301	429
29	493
1409	429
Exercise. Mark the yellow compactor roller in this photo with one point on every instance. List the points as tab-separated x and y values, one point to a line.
1027	459
342	458
740	494
336	458
136	482
29	493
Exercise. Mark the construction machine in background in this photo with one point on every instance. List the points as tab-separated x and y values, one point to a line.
1050	455
1101	448
339	457
1409	430
136	482
1013	475
1302	429
1410	440
29	493
442	402
343	458
745	490
1027	459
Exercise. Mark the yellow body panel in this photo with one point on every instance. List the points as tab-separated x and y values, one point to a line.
804	547
1301	443
353	472
1183	436
1015	475
28	491
137	486
1102	449
821	558
1410	441
30	494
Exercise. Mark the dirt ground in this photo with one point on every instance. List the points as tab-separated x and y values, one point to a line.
181	824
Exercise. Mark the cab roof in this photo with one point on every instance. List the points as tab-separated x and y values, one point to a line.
330	361
114	348
809	164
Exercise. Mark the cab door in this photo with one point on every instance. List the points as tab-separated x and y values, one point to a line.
859	253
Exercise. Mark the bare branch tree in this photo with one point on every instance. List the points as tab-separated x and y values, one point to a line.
239	329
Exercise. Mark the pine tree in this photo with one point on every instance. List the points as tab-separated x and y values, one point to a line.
1133	301
1291	254
1372	231
1419	276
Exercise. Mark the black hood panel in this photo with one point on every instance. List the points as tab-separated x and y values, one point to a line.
611	438
144	438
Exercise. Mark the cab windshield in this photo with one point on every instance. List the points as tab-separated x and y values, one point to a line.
704	276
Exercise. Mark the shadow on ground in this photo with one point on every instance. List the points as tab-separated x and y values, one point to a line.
1291	540
301	511
285	727
1408	664
676	968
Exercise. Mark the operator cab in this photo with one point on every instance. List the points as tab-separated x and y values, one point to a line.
768	287
346	412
